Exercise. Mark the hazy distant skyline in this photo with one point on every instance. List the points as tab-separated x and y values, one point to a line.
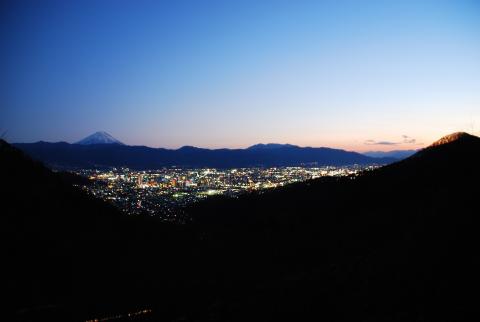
358	75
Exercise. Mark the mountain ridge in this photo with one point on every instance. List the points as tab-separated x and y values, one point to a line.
259	146
457	136
141	157
397	154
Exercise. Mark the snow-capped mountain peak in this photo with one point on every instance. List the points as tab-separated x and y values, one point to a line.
100	137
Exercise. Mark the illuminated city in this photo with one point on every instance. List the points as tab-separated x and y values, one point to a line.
164	192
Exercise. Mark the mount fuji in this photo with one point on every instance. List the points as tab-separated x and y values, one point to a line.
100	137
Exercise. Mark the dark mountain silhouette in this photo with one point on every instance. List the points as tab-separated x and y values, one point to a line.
140	157
396	154
270	146
399	243
68	256
457	136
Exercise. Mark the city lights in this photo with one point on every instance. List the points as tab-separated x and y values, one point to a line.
165	191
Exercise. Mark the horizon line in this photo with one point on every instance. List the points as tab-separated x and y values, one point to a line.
421	146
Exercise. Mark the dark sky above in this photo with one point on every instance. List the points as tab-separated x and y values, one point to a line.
361	75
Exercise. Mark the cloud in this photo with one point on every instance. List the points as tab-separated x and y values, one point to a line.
373	142
405	140
408	140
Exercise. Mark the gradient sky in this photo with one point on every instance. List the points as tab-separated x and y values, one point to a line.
359	75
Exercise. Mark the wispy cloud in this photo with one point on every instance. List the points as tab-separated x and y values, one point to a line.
408	140
373	142
405	140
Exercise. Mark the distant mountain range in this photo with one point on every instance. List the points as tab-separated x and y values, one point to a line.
271	146
396	154
102	150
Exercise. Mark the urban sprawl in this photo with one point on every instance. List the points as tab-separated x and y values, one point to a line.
165	191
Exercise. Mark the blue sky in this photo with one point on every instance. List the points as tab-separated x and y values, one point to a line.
360	75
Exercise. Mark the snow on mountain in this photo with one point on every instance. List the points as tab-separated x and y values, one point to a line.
100	137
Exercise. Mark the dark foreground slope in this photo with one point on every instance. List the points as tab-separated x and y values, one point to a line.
399	243
67	256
